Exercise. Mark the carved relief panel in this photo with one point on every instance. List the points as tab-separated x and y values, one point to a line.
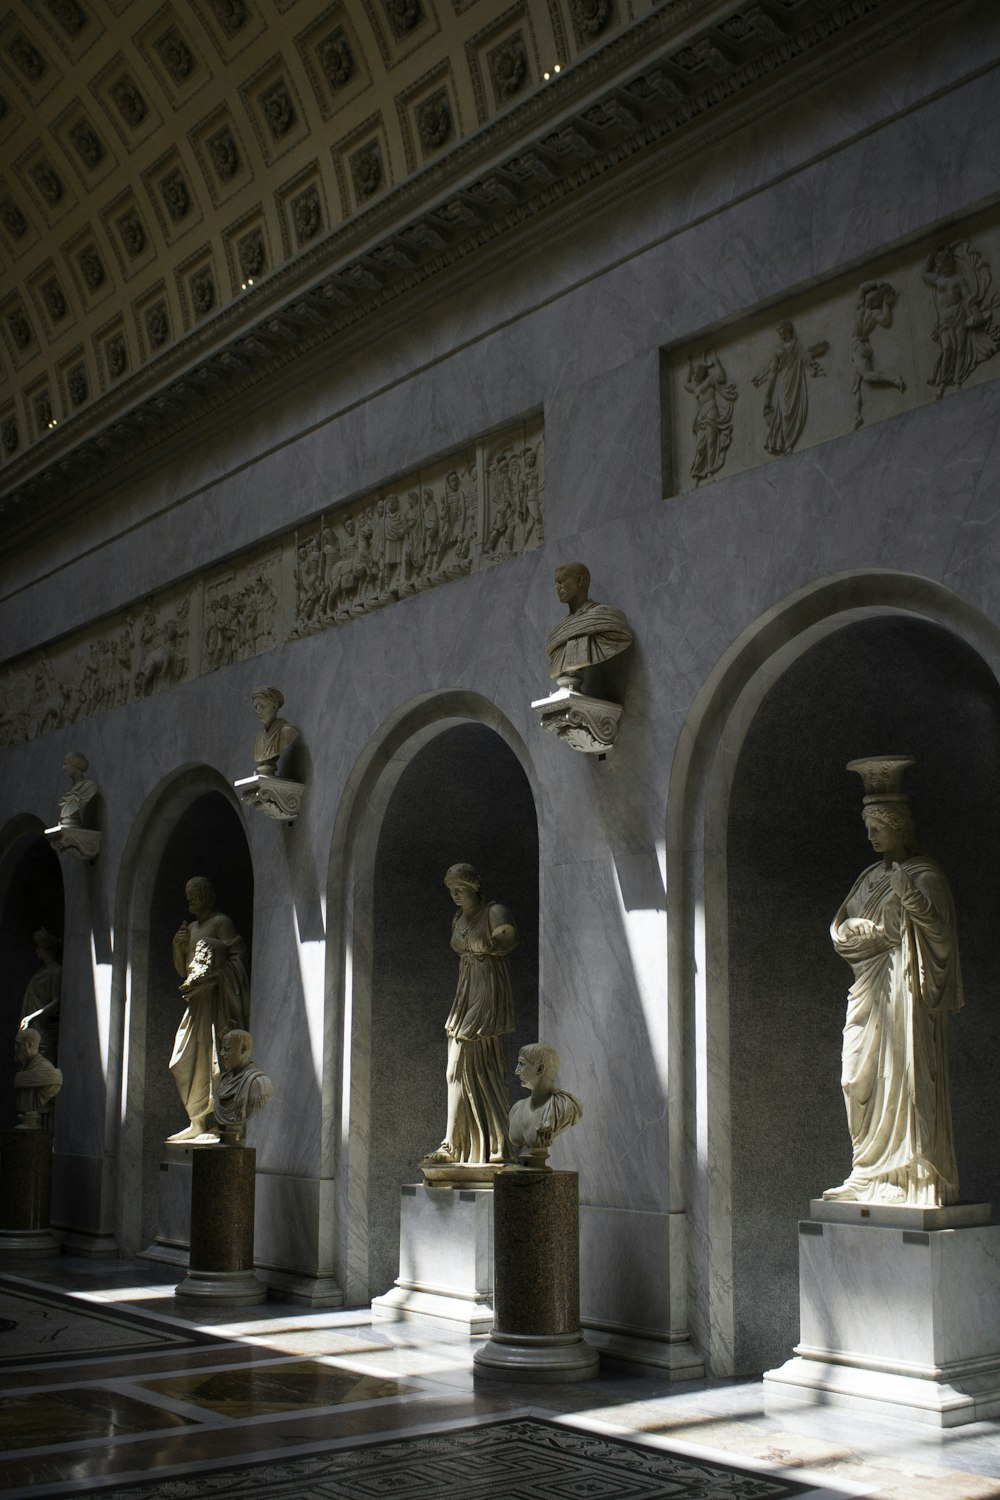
908	329
473	508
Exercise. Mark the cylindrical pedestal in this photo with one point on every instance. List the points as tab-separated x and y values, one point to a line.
222	1204
536	1268
25	1192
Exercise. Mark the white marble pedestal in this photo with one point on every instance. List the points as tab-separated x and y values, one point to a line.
899	1315
445	1260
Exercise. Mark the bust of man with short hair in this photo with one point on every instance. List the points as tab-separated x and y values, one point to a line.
547	1112
36	1082
242	1090
81	790
590	632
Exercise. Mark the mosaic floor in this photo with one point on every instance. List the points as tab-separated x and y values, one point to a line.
108	1389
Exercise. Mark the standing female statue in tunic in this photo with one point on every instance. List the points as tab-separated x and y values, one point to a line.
482	1014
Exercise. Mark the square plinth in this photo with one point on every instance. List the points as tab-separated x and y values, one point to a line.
445	1259
897	1321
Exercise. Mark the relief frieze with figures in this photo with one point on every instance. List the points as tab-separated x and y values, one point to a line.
478	506
909	329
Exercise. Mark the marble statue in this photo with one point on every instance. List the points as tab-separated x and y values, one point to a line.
211	958
965	311
590	632
482	1014
36	1082
716	396
81	790
535	1122
40	1006
786	387
873	310
242	1089
275	735
897	931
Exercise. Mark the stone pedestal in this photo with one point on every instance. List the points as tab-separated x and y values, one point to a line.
445	1260
222	1207
536	1244
899	1316
26	1192
173	1206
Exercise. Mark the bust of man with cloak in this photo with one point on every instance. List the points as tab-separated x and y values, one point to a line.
589	634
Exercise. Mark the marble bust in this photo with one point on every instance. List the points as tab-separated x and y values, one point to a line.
81	790
275	734
590	633
40	1006
36	1082
242	1089
536	1121
482	1014
211	959
896	929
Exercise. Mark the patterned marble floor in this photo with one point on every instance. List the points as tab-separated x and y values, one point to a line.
164	1403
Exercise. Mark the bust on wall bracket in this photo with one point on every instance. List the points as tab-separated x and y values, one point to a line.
590	634
273	795
69	836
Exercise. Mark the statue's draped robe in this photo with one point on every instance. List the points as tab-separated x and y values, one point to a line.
44	988
560	1110
240	1093
271	741
218	1004
907	981
482	1014
591	634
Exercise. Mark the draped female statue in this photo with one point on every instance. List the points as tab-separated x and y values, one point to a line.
482	1014
897	931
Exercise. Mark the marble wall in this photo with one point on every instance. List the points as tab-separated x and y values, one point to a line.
647	984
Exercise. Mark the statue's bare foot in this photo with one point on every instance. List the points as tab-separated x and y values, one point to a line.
846	1193
193	1131
444	1153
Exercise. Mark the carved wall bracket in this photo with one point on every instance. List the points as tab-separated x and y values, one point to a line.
589	725
79	843
272	795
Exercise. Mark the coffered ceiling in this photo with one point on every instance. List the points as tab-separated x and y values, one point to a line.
157	160
195	192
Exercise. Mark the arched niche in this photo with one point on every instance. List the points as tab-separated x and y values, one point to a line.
699	875
191	828
795	844
31	896
472	798
463	797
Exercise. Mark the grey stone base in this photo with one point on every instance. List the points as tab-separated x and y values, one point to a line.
229	1288
544	1358
897	1322
28	1242
677	1358
445	1260
296	1286
939	1403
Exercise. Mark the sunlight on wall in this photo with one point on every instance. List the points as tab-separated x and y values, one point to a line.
645	930
312	967
700	1037
102	999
